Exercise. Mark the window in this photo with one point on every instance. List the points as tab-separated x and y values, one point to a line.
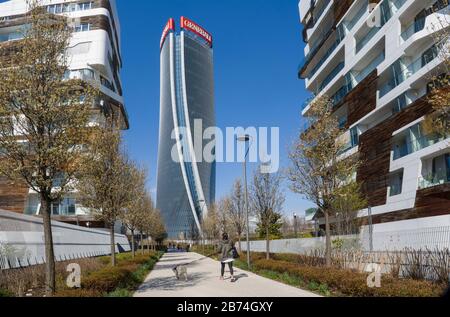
396	184
400	103
354	134
342	122
84	27
106	83
429	55
72	7
56	8
85	6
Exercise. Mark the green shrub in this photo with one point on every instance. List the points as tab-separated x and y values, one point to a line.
120	292
75	293
107	279
5	293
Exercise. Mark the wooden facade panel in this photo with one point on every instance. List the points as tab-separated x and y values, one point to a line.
430	202
13	196
362	99
375	151
340	9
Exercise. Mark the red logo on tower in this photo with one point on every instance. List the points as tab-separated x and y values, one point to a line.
170	26
197	29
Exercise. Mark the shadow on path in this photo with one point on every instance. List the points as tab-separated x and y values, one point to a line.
171	283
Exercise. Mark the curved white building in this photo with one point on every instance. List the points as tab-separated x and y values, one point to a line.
376	60
95	56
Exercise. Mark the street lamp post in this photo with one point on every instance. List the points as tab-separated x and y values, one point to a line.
246	139
295	225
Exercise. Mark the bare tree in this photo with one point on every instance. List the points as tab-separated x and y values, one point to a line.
106	179
266	200
139	206
210	224
347	202
318	168
44	118
153	225
222	208
158	230
439	120
287	227
236	211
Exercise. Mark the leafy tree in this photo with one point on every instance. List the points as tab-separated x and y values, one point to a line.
266	201
44	117
318	168
274	228
106	180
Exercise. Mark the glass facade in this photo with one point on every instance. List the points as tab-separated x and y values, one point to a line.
186	188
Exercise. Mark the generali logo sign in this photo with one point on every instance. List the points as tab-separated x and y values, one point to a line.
170	26
197	29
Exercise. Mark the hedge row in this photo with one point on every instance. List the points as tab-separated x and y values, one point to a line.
352	283
125	277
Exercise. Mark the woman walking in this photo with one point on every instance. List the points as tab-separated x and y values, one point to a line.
226	256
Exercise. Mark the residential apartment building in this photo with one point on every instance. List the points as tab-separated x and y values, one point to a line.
186	182
94	56
376	61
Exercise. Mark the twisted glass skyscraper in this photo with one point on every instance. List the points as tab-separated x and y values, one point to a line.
186	183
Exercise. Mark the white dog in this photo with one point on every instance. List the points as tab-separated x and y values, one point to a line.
180	271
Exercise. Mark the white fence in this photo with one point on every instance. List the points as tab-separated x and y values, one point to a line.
22	241
419	239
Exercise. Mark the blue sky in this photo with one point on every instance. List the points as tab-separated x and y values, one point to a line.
257	49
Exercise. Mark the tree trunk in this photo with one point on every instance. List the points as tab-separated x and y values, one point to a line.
133	244
50	284
328	239
267	244
142	243
239	243
113	244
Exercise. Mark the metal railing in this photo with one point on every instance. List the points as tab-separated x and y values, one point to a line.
406	73
332	75
418	25
433	180
22	245
418	144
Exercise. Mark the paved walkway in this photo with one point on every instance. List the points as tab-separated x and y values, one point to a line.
204	281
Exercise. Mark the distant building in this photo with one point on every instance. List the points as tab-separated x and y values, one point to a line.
185	186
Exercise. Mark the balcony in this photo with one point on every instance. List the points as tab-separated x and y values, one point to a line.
407	148
419	25
362	42
332	75
400	76
354	80
318	11
351	81
433	180
387	10
350	24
